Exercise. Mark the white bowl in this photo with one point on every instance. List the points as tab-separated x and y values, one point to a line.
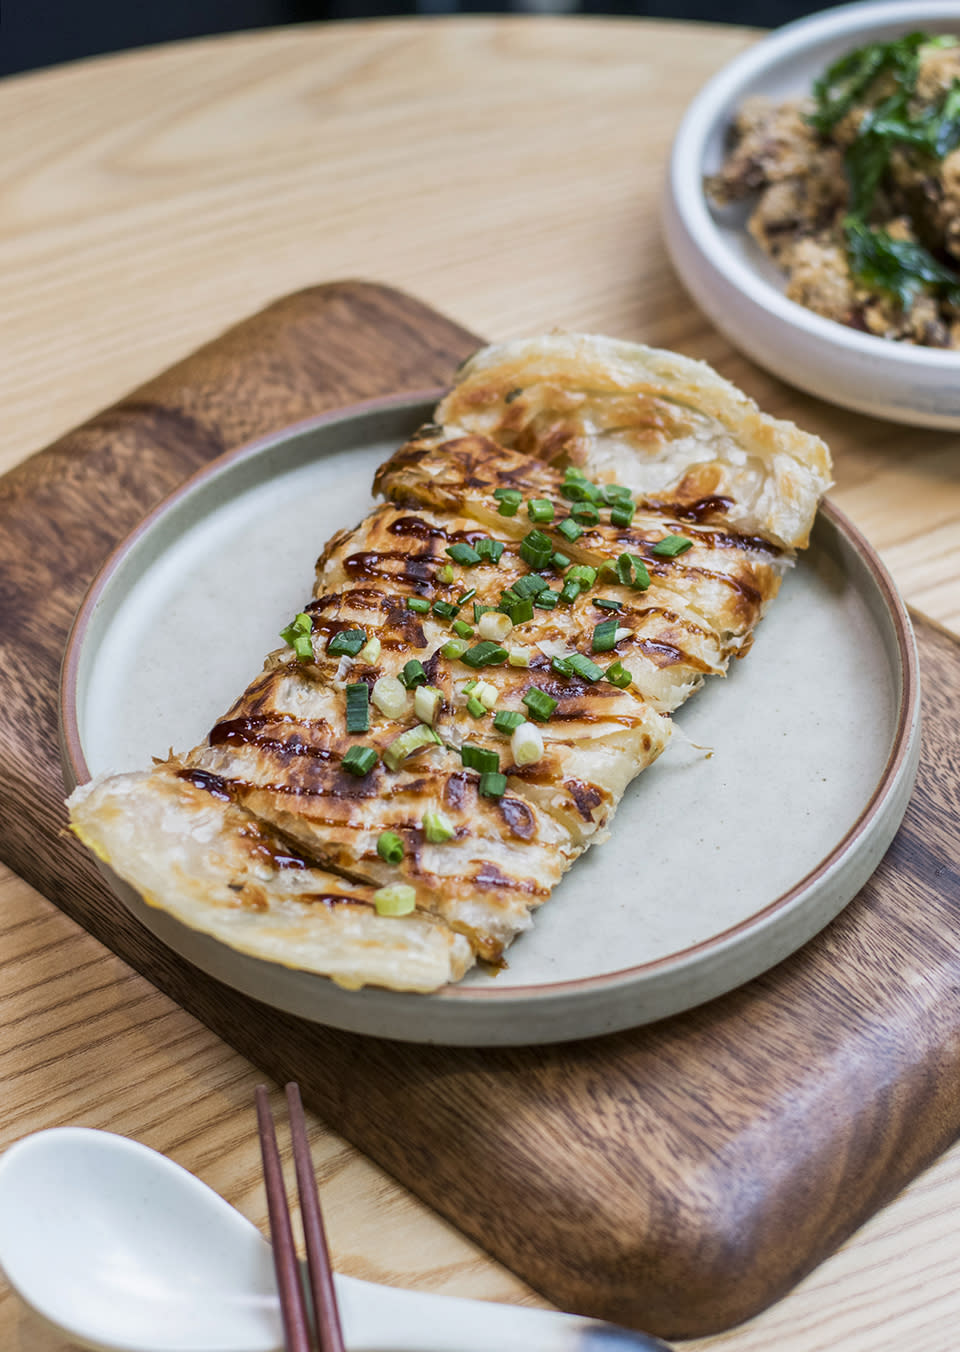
740	289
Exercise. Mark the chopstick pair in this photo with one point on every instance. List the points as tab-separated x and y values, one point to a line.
296	1321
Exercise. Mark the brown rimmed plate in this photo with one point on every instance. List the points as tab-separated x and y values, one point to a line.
745	839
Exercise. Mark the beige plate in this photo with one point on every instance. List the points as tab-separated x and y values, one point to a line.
718	867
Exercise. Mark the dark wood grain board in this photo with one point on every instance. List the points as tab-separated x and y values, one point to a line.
677	1178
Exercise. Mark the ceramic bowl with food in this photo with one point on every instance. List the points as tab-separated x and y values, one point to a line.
875	353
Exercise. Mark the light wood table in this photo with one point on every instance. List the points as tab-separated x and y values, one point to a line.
506	170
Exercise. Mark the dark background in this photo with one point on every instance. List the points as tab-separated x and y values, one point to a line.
41	32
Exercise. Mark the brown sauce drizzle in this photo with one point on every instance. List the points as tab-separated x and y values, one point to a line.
704	507
215	785
247	732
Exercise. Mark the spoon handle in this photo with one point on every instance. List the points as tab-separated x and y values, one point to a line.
378	1317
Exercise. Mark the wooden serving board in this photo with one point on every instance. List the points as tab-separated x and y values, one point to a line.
677	1178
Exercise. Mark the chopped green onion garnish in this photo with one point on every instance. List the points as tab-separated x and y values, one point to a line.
614	493
605	603
521	610
581	491
303	646
408	744
461	628
583	667
540	704
492	785
466	596
671	545
519	656
618	675
427	702
569	591
569	529
526	745
585	512
418	604
358	707
529	584
370	652
605	636
479	758
359	760
347	643
454	648
559	561
476	708
509	499
301	627
507	719
479	610
536	549
463	553
437	827
413	674
485	654
389	847
446	574
546	600
390	696
495	626
445	609
622	514
397	899
632	572
573	472
488	549
582	573
471	685
508	598
540	509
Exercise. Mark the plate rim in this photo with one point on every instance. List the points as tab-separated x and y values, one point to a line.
887	784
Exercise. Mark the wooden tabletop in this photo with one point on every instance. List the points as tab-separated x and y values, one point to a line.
506	170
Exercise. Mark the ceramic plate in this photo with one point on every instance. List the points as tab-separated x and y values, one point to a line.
730	852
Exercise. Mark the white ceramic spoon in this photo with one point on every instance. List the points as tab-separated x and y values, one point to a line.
120	1249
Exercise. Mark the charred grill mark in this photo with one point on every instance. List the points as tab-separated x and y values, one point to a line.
488	875
360	598
432	666
518	817
333	899
663	654
456	790
585	796
671	618
406	621
667	568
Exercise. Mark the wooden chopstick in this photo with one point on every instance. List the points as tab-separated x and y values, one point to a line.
296	1322
329	1331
